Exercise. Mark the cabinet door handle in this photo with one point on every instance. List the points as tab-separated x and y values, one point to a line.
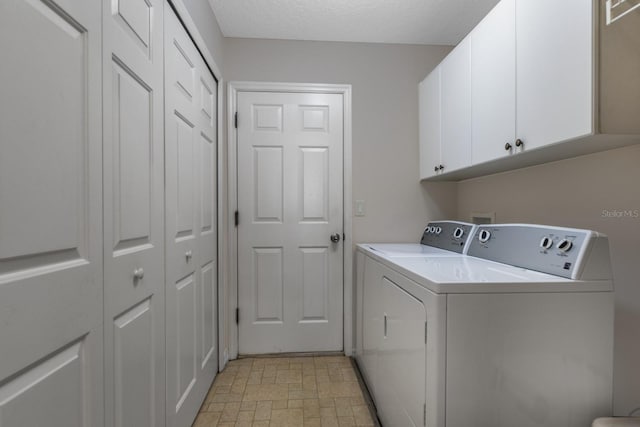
188	255
508	146
435	168
440	167
138	274
519	143
385	325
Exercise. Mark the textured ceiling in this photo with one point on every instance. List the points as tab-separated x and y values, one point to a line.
376	21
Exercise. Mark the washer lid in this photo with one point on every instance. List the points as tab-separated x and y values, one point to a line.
393	250
464	274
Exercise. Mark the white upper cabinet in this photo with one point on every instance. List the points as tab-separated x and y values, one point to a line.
429	113
455	101
554	63
535	81
493	91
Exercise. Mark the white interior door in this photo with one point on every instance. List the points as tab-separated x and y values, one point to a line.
191	236
133	206
50	214
290	184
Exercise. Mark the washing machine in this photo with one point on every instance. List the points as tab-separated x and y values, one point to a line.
517	332
439	239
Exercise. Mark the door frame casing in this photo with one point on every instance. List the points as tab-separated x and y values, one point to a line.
232	231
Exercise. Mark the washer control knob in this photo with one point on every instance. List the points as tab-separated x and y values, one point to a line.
546	243
484	236
458	232
438	230
564	245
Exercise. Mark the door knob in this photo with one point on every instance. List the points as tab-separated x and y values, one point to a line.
138	274
335	238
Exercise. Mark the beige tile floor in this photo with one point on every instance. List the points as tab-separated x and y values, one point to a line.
286	391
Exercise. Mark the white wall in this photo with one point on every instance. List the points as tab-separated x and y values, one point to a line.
578	193
207	24
385	80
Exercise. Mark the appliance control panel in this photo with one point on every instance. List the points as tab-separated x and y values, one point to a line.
450	235
553	250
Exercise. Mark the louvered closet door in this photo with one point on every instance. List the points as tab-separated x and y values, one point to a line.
133	213
50	214
191	265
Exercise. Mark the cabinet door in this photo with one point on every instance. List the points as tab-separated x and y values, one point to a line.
429	113
402	356
456	108
554	54
493	76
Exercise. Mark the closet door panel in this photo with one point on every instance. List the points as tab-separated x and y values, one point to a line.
191	225
50	214
133	88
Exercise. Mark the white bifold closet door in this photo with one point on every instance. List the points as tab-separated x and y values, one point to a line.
50	214
133	213
191	235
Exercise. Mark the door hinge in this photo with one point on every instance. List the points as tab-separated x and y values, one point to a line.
425	332
237	315
424	415
236	218
235	120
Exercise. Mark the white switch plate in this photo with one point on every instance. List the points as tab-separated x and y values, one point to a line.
360	207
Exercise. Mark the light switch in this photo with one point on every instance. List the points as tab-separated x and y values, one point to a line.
360	208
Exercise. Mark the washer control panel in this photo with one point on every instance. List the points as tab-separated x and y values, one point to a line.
449	235
552	250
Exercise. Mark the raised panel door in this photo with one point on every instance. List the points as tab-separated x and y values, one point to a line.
133	161
191	224
50	214
290	203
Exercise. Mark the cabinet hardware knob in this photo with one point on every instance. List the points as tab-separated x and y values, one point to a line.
440	167
138	274
507	146
435	168
519	143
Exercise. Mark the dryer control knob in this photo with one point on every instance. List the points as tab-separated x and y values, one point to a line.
438	230
484	236
564	245
458	233
546	243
